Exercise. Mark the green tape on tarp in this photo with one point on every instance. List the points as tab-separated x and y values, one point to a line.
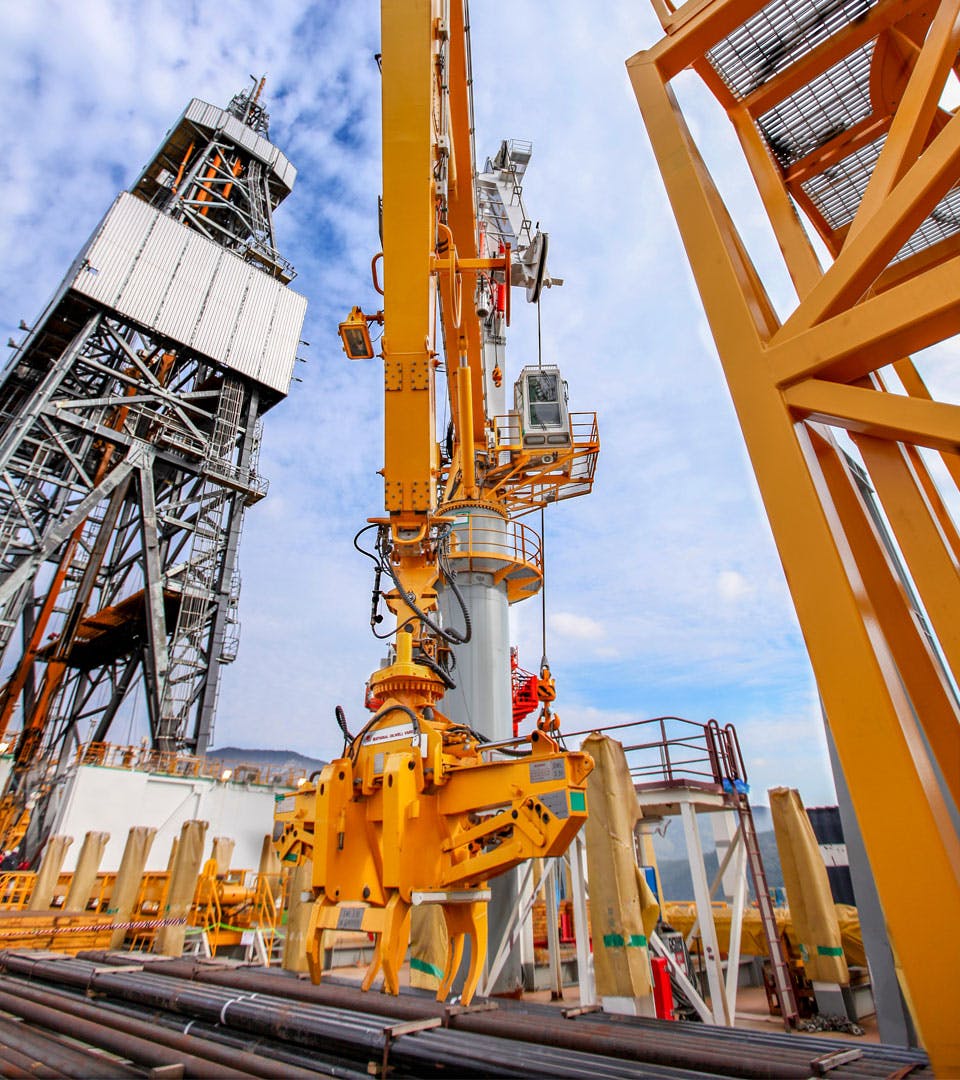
427	969
635	941
829	950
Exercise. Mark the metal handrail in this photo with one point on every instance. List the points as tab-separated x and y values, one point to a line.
508	541
682	750
169	762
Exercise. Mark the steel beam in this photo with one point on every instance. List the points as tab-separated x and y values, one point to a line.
854	625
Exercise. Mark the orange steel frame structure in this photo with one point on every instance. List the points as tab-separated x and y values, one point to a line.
837	110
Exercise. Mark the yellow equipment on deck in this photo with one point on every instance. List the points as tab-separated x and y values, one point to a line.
419	808
416	813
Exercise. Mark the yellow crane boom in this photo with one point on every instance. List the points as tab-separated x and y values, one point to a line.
419	808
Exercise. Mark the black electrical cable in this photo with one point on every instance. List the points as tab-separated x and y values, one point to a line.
377	559
436	668
450	576
342	724
396	707
363	551
452	637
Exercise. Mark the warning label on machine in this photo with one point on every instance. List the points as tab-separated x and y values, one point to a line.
556	801
389	734
541	771
350	918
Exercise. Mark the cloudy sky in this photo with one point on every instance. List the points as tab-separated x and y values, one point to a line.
665	595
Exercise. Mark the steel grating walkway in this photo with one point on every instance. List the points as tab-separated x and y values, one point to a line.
826	112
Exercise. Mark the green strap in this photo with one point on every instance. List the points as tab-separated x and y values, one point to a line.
428	969
635	941
829	950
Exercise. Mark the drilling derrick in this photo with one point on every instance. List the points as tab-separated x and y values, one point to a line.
130	422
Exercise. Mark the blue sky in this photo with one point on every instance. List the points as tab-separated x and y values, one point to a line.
665	594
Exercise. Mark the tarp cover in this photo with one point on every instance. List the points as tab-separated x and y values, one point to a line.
428	946
222	852
183	886
298	917
682	914
623	910
129	876
812	910
85	874
45	886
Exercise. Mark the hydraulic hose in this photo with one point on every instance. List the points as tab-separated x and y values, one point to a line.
396	707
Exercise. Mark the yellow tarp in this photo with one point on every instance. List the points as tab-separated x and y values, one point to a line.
812	909
681	916
183	886
428	946
623	910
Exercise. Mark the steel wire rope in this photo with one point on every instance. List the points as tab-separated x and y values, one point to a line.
544	665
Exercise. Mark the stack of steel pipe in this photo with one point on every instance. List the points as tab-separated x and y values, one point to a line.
693	1047
355	1035
335	1029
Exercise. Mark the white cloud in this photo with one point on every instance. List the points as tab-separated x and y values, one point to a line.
733	586
568	624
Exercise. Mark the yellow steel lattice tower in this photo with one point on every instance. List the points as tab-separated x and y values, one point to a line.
837	110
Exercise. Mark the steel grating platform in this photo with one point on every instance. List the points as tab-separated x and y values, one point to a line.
844	109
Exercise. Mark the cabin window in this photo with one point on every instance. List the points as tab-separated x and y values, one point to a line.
544	399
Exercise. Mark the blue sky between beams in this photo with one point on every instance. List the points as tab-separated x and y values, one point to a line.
665	594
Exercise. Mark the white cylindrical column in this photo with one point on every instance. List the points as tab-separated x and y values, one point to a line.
482	698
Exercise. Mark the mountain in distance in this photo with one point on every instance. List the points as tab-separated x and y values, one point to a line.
278	760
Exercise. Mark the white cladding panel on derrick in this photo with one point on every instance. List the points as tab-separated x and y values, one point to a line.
170	279
212	119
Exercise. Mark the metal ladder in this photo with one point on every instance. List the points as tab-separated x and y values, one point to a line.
188	662
734	772
259	220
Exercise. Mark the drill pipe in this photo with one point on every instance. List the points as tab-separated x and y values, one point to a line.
664	1047
61	1060
277	1053
727	1051
425	1052
219	1061
139	1050
15	1064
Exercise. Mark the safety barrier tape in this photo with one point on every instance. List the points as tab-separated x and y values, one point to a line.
37	931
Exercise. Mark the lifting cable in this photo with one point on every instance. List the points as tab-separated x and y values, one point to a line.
546	688
543	534
543	593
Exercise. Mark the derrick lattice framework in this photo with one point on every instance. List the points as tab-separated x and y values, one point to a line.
840	112
130	421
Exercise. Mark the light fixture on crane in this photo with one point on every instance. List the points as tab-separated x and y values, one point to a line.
355	334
